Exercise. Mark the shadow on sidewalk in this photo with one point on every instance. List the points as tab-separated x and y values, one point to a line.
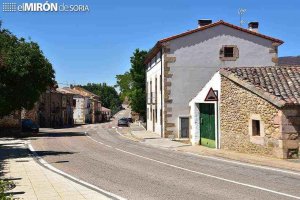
10	149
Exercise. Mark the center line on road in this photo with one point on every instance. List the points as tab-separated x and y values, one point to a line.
211	176
200	173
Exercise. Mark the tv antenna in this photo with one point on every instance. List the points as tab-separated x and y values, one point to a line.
241	12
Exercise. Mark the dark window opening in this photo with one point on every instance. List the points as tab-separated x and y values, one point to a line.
228	52
255	128
74	102
160	117
160	83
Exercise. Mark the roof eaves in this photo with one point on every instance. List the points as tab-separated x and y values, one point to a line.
152	53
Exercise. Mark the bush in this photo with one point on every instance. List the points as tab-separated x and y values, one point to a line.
4	186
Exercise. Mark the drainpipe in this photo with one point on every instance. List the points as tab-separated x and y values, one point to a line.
218	142
161	94
50	108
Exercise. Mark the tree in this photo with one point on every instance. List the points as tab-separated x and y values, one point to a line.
108	95
124	82
133	83
138	76
25	73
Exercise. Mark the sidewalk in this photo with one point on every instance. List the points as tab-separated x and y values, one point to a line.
154	139
32	180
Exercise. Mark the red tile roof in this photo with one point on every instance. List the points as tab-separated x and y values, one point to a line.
158	45
289	60
279	85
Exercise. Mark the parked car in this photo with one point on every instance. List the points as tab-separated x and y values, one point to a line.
130	120
123	122
29	126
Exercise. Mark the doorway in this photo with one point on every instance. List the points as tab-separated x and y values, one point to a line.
207	125
184	127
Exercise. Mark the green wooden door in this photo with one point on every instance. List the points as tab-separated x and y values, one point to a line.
207	125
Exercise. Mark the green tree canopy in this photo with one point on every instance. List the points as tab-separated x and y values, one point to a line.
124	83
24	73
133	83
108	95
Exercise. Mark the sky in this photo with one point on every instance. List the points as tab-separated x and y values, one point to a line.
95	46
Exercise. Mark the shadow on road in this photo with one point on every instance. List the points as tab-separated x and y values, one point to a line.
58	134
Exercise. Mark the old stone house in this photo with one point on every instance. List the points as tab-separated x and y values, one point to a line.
106	114
180	65
87	106
55	108
251	110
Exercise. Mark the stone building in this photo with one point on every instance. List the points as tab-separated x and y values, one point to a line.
251	110
87	106
180	65
55	108
106	114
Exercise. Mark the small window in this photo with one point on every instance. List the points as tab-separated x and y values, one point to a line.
255	128
228	52
74	102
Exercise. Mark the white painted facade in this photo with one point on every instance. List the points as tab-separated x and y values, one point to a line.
81	110
215	84
154	101
197	60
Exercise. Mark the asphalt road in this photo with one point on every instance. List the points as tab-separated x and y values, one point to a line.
136	171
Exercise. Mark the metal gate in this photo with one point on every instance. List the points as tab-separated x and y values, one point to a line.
207	125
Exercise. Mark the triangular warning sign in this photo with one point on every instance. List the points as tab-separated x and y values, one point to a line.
211	96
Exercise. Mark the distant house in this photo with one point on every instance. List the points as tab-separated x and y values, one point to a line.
249	109
87	106
178	67
54	109
106	114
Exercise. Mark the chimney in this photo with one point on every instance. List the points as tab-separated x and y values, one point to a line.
204	22
253	26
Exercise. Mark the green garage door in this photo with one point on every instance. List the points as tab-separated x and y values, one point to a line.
207	125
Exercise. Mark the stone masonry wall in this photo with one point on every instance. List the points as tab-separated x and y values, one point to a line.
237	106
11	121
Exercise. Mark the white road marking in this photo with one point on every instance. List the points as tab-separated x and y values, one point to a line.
47	165
211	176
204	174
246	164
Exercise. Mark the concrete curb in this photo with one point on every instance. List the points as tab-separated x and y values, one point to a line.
43	163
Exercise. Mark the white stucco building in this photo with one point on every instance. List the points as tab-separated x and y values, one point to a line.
178	67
